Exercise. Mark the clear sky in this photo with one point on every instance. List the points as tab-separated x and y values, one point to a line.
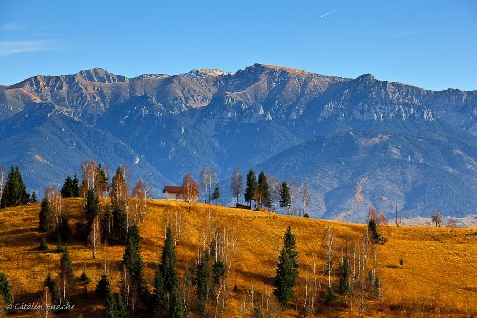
428	43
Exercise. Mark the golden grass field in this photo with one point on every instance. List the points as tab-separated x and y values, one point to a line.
438	277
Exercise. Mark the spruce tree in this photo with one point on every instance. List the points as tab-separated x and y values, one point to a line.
67	189
33	198
285	198
345	276
45	216
202	279
251	188
66	268
216	194
76	187
287	269
159	293
5	289
14	193
264	190
176	309
134	265
168	263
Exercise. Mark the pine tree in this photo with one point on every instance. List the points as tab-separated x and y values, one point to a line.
264	190
168	263
76	187
176	309
67	189
345	276
134	265
110	307
202	279
5	289
14	193
45	216
33	198
285	198
287	269
43	244
66	268
159	293
216	194
251	188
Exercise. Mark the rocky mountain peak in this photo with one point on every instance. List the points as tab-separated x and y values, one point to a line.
100	75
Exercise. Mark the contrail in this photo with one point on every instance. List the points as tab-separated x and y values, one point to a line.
324	15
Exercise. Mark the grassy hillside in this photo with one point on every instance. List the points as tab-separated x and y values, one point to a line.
438	276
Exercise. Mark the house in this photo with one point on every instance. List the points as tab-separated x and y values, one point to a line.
172	192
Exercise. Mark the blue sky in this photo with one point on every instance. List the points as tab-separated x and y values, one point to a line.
430	44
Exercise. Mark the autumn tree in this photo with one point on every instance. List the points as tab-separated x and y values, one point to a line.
237	184
139	195
251	187
14	191
190	189
119	190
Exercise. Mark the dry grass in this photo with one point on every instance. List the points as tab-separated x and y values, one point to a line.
438	277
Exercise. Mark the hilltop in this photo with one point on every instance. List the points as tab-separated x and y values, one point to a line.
436	276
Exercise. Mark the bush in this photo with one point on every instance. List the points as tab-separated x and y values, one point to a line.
43	244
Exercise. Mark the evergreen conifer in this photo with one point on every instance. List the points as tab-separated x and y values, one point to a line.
287	270
5	289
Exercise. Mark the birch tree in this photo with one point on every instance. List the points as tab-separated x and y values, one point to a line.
237	184
305	197
208	178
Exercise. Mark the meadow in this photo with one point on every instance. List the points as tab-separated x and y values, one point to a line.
424	271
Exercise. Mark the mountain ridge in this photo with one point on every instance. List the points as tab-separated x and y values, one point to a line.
174	124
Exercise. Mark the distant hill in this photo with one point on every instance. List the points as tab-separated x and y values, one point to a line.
401	145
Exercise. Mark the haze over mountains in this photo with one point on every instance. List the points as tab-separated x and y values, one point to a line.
393	143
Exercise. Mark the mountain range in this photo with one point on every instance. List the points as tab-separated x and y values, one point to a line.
355	142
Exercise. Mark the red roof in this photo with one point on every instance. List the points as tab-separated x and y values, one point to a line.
172	189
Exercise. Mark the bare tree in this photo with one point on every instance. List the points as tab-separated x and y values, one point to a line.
3	173
293	192
436	218
305	196
237	184
328	244
275	188
208	178
54	199
95	177
94	238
